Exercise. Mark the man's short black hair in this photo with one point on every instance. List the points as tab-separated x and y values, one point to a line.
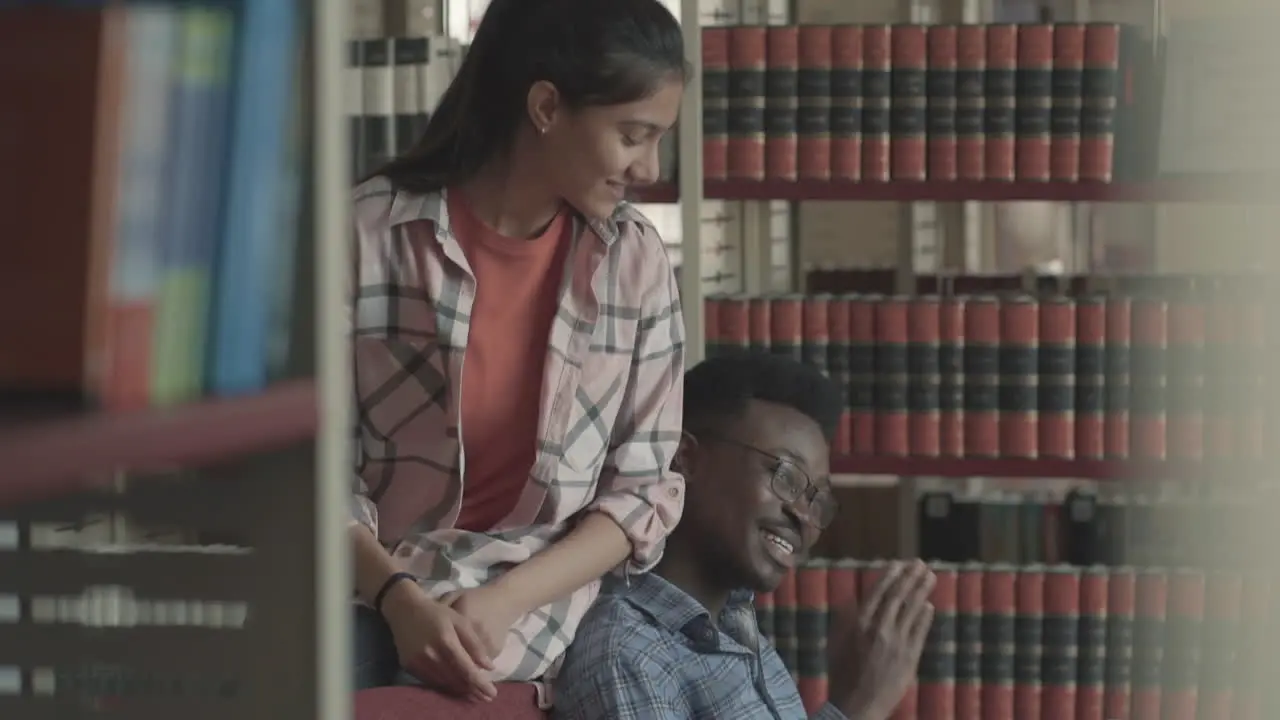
719	389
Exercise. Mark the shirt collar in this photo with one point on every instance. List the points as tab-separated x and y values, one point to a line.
671	607
410	207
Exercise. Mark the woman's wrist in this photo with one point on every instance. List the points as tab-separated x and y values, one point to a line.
400	596
390	585
373	564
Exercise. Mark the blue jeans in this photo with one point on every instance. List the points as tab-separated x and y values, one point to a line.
376	661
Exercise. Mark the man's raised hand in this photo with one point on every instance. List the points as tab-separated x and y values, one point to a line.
875	649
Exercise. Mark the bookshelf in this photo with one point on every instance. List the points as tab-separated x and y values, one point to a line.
1204	189
1030	468
962	509
37	466
232	496
693	191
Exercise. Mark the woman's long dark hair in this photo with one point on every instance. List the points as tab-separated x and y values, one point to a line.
595	52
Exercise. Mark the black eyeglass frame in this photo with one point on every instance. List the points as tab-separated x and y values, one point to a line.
820	514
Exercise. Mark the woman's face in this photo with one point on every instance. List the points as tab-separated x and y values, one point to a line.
593	155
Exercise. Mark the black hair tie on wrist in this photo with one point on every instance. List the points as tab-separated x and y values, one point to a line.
390	582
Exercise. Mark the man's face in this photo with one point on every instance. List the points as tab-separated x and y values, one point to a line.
748	536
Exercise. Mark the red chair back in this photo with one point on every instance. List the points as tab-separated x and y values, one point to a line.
515	701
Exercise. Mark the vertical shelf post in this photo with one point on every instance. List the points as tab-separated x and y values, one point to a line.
689	141
333	446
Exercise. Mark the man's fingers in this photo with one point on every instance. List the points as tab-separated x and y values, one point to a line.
900	592
870	608
922	590
921	620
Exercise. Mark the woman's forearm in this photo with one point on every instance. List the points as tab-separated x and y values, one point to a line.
373	564
594	547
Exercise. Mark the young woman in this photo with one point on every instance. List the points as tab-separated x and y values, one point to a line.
518	349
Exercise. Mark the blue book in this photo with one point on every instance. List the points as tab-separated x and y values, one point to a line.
259	156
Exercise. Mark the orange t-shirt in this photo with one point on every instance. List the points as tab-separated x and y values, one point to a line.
517	297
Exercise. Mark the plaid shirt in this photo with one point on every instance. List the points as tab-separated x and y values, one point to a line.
611	406
650	652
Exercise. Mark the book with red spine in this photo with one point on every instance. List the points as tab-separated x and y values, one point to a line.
968	695
812	580
1151	593
786	325
1220	639
1092	633
862	373
1000	99
785	636
999	642
842	586
1183	631
781	98
1185	390
1090	374
1148	378
877	101
1028	651
748	55
1068	98
764	615
813	103
711	330
715	102
909	102
1034	106
1222	321
982	376
936	696
734	323
892	342
838	366
1116	424
1057	383
971	74
951	376
1061	636
1019	368
1099	89
1254	654
941	90
923	382
815	323
760	324
1121	609
847	84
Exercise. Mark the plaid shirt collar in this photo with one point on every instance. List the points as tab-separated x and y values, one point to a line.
407	207
674	609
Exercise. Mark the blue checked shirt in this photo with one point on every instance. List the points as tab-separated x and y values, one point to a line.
650	652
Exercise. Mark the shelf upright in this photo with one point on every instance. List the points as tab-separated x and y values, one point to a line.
755	248
333	448
690	192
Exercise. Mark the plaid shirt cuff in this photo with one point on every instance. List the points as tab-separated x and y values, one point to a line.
364	511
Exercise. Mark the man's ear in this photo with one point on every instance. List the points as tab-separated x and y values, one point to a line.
686	459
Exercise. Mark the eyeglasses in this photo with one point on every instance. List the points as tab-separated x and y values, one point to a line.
791	484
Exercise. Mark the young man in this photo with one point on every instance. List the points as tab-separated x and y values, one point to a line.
682	642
